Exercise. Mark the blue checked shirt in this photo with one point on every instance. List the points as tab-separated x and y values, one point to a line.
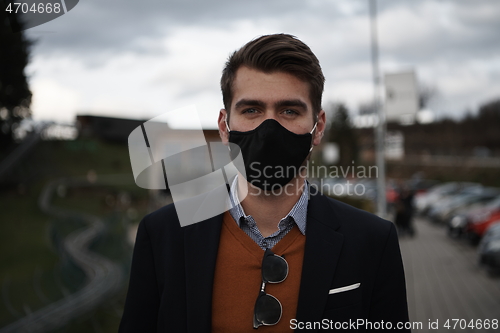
298	216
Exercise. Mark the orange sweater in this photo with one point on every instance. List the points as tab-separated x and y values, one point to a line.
238	278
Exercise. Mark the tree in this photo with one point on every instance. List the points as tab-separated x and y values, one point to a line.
342	133
426	94
15	95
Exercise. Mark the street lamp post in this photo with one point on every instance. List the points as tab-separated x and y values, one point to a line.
380	129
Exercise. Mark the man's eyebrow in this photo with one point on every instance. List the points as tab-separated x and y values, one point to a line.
278	104
249	102
291	102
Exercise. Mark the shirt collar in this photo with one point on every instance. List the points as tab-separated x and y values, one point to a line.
298	211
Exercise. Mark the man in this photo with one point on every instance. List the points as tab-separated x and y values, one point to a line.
284	258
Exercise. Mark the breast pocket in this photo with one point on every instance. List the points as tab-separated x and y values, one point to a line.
344	298
344	307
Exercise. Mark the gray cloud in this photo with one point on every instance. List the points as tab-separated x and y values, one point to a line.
135	26
94	30
422	34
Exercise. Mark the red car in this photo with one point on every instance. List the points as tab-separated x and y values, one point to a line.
478	225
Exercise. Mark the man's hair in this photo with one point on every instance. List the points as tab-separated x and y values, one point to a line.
276	53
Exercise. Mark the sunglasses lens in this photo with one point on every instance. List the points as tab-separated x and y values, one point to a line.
267	310
274	269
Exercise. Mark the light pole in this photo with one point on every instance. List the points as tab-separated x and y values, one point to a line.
380	129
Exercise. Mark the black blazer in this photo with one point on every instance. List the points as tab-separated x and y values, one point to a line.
173	267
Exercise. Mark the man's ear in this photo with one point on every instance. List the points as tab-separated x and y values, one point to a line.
221	122
320	128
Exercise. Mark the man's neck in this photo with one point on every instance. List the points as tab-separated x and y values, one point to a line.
268	208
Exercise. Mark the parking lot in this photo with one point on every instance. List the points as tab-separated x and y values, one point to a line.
445	282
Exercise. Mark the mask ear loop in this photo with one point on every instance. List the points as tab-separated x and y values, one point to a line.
228	130
311	134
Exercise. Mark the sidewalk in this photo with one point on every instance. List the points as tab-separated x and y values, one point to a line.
445	282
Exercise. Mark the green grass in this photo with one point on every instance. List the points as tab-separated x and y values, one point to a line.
24	248
31	270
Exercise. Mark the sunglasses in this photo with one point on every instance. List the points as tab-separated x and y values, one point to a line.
268	309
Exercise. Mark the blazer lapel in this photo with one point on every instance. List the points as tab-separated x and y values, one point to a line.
201	242
322	251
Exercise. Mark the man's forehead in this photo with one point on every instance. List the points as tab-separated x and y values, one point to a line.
265	87
246	71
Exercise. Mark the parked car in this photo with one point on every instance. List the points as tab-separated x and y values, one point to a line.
476	228
445	200
477	212
443	212
489	248
424	202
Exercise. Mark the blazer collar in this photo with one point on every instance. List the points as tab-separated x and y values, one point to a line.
321	254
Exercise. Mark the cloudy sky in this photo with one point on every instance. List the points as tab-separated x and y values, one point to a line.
139	59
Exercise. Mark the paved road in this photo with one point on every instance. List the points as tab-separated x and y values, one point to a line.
444	281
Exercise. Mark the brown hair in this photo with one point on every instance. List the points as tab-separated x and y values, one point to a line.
276	53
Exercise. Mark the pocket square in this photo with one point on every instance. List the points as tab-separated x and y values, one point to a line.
346	288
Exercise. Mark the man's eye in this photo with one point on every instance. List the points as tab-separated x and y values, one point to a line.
251	110
290	112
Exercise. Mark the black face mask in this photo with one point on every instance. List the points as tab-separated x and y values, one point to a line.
272	155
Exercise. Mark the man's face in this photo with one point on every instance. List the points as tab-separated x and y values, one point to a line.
258	96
